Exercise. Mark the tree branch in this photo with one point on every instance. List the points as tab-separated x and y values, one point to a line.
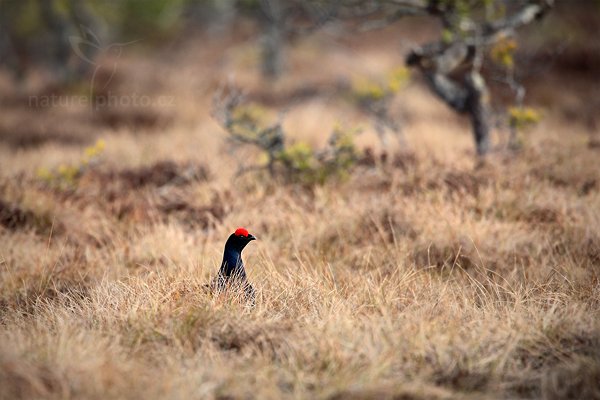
529	12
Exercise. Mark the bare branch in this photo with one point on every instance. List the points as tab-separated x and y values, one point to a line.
524	16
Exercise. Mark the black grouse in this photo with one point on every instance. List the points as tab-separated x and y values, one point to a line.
232	271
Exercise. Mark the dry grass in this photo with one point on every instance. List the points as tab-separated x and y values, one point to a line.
424	278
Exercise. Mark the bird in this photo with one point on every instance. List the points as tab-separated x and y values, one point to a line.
232	272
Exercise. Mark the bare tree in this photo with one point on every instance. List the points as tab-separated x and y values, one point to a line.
286	20
48	42
452	64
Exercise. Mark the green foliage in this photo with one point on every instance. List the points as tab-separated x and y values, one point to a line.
144	20
459	16
307	166
298	162
26	17
521	118
67	175
342	152
248	119
29	23
457	12
397	79
369	90
298	157
447	36
374	97
503	51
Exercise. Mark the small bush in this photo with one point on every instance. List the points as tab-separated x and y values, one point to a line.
66	176
503	52
293	163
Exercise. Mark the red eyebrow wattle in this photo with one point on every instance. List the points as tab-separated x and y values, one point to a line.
241	232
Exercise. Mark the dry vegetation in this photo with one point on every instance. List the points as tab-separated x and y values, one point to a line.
423	276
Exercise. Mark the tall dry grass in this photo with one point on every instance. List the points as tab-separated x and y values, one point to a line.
422	278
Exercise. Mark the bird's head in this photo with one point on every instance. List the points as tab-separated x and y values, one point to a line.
239	239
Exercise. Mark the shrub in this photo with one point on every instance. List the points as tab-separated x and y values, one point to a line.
291	162
67	175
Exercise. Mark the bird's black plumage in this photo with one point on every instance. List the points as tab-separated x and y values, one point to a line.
232	272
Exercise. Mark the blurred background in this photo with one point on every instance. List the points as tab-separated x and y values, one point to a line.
423	176
73	70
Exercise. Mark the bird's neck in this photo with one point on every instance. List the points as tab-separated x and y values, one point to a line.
232	263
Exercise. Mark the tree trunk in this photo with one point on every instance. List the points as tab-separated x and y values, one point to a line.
271	51
478	109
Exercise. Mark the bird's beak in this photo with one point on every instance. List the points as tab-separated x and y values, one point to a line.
251	237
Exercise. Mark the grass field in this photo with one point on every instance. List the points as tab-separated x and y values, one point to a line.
428	276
